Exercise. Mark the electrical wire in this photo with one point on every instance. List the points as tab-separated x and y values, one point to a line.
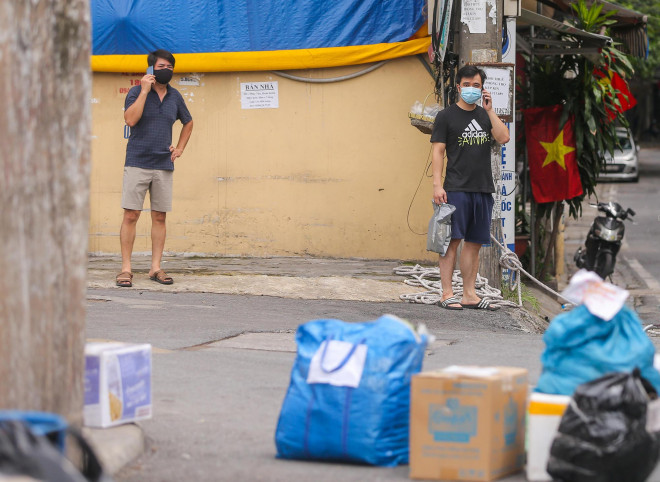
329	80
517	185
424	172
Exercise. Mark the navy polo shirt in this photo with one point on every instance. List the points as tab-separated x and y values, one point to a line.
149	144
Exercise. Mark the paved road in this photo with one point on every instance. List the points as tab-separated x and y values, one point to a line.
640	248
643	236
222	364
218	393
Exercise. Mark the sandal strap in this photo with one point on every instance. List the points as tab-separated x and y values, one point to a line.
454	300
161	275
483	303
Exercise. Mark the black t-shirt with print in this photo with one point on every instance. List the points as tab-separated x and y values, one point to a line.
467	137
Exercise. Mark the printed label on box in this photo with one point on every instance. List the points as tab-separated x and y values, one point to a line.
510	422
452	422
92	372
135	381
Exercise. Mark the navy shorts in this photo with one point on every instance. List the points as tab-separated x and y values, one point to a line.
472	218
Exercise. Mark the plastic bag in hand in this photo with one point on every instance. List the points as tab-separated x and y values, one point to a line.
439	234
602	436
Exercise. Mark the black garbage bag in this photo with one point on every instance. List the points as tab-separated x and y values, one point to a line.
602	436
23	453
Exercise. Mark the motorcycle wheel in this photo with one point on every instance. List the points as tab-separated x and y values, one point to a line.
604	264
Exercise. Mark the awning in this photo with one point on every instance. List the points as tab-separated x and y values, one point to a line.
589	43
629	28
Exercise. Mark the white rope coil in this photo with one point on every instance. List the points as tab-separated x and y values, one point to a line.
429	279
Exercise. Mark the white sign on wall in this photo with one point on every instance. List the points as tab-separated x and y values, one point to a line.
259	95
499	84
473	14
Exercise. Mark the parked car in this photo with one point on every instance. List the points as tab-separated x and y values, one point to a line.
624	165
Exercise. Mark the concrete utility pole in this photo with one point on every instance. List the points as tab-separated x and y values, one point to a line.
45	92
480	41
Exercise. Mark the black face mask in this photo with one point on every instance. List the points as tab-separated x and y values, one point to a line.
163	76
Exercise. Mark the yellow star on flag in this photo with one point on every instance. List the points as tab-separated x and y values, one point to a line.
556	151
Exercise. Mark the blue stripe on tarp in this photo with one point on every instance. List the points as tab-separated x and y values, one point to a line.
125	27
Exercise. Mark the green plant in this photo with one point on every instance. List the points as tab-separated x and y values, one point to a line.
526	295
579	82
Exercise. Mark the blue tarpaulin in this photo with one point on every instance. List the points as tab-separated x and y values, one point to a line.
125	27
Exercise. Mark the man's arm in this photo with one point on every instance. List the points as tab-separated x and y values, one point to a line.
133	114
499	130
186	130
438	164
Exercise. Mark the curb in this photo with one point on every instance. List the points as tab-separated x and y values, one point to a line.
117	446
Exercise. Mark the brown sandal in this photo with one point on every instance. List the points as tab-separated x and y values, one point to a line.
161	277
125	279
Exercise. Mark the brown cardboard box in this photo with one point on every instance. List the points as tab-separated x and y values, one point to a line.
468	423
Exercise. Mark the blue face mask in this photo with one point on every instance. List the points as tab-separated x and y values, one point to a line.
470	94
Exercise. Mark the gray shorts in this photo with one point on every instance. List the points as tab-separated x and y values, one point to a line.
138	181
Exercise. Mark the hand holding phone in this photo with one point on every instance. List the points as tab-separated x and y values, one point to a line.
487	101
148	80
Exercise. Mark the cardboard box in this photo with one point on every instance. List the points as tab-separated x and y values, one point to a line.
468	423
544	413
117	383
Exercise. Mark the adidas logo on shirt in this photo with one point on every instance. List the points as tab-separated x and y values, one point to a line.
473	134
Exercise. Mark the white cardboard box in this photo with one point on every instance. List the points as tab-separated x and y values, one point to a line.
544	413
117	383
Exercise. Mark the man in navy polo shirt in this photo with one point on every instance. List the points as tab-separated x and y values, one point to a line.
150	110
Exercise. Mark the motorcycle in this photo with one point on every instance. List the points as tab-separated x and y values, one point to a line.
603	240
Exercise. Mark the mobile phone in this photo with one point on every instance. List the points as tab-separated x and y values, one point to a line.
150	70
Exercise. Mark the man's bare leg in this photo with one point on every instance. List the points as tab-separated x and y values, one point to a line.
127	237
446	265
157	240
469	266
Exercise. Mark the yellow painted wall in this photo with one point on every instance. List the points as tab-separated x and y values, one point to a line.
331	172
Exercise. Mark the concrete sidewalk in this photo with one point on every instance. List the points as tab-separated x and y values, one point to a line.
301	278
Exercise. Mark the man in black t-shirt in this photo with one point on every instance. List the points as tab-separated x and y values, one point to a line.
464	132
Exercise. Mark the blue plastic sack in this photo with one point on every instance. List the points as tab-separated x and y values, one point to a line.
45	424
581	347
327	420
32	447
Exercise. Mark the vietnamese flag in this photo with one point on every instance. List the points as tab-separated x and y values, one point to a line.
551	153
623	94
